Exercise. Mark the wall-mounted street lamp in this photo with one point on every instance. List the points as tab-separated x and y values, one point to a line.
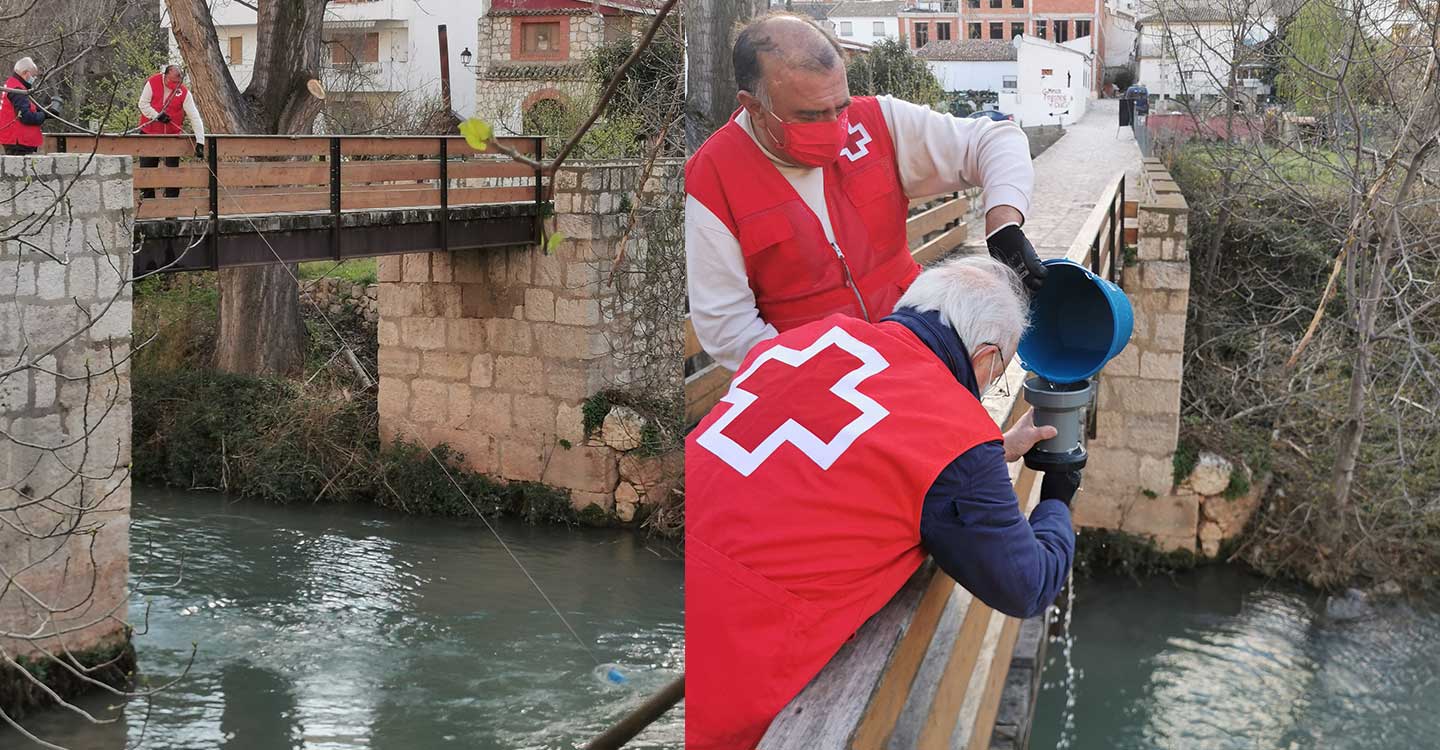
466	57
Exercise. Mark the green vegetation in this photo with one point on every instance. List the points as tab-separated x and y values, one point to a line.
890	68
112	665
137	53
1100	551
283	441
359	270
276	440
1264	235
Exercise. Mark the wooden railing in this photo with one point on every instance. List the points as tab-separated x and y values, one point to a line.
927	671
935	228
276	174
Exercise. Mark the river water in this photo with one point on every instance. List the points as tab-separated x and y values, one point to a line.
1217	659
336	628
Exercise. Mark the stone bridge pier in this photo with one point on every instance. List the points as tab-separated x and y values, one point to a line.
64	416
1129	483
496	352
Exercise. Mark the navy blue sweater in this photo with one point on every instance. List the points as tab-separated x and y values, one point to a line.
21	103
971	521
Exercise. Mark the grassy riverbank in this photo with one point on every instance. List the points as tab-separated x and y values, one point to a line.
1268	386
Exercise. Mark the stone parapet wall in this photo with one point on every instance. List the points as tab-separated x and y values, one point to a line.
1130	477
65	314
497	352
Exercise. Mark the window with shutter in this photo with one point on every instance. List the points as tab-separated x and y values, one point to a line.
237	50
541	39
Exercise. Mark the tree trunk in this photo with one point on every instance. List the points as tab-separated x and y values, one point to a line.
260	328
710	29
261	332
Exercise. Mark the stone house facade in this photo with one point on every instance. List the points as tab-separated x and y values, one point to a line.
534	54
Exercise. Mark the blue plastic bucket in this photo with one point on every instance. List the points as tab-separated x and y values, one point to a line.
1078	322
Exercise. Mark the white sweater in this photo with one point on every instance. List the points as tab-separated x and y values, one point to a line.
937	153
191	112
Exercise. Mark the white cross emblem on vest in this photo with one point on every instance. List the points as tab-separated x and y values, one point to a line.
823	453
860	146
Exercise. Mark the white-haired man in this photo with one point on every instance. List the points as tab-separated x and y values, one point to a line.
795	209
844	453
20	116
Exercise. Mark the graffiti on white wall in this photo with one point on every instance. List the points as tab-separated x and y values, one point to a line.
1056	99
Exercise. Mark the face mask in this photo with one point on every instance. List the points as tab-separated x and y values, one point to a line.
814	144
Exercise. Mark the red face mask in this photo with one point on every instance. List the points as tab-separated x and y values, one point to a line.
814	144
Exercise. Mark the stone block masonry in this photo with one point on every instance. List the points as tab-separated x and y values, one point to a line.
1129	481
65	311
496	352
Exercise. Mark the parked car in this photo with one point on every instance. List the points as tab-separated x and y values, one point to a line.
991	114
1141	95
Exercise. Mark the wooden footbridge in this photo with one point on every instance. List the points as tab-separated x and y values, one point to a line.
257	199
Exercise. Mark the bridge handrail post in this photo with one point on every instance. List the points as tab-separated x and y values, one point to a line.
540	191
212	162
444	193
335	198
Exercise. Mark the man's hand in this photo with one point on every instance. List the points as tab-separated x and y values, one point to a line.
199	150
1024	435
1009	246
163	117
1060	485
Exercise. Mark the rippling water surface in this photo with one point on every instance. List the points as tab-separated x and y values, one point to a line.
1218	660
351	628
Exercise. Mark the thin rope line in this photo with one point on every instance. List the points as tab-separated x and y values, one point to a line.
512	555
431	451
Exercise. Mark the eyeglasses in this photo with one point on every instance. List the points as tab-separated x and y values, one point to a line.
1002	385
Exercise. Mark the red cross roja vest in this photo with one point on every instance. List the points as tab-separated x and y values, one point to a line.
175	108
804	487
796	275
12	131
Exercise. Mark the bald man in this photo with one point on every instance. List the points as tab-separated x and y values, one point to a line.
795	209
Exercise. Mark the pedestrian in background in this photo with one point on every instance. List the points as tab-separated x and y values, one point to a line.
20	116
164	103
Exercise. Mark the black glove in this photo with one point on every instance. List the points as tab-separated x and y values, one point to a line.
1009	246
199	150
163	117
1060	485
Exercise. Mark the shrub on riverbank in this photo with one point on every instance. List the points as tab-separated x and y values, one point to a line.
1264	238
283	442
312	440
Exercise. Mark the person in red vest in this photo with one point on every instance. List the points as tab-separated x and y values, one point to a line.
844	454
164	103
796	208
20	117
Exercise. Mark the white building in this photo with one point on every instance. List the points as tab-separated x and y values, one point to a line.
1189	52
1037	81
867	21
1120	33
376	49
1054	86
972	64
